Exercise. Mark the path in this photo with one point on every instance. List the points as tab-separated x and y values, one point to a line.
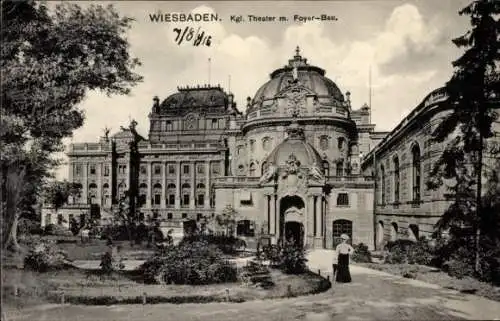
373	295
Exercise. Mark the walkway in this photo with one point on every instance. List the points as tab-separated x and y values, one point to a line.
372	295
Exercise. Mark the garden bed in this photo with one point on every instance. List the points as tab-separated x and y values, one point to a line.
435	276
81	287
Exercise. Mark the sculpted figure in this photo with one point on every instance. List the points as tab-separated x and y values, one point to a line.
269	174
315	172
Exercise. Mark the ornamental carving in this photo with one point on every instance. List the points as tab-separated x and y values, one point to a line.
296	102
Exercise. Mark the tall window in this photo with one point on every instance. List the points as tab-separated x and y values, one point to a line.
106	170
382	185
416	171
143	170
157	194
252	169
245	228
326	168
200	194
200	168
171	195
185	169
143	192
78	170
185	194
92	169
171	169
157	169
341	227
396	179
341	143
340	168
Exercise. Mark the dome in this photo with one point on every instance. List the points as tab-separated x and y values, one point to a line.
194	97
295	145
298	70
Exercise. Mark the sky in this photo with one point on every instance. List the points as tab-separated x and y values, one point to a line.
406	45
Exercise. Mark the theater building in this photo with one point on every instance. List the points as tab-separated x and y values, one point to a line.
297	163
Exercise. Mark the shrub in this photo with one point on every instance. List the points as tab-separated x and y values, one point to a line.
272	253
189	263
227	244
44	257
293	259
53	229
361	254
107	263
411	252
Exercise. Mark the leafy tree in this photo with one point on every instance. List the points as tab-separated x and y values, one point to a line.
472	93
50	60
125	216
57	193
227	219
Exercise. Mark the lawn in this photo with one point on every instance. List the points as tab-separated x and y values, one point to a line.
438	277
80	287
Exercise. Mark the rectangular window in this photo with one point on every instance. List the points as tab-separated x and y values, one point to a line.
214	123
340	169
157	170
184	215
143	170
171	169
215	169
157	199
185	199
200	168
201	200
48	219
92	169
171	199
169	125
78	169
343	199
59	219
186	169
106	170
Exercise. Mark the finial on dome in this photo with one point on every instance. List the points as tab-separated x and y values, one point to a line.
297	51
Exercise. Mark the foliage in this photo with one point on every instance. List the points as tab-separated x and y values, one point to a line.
45	256
361	254
227	219
53	229
472	94
410	252
189	263
257	274
106	263
293	259
28	226
50	60
272	253
227	244
56	193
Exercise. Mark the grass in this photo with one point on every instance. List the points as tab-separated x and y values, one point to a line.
438	277
81	287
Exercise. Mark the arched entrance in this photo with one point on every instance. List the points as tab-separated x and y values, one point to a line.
292	219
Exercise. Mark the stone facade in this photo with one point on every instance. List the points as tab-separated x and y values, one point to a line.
297	164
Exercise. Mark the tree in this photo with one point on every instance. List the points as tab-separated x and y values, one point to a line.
472	92
50	60
227	219
123	214
57	193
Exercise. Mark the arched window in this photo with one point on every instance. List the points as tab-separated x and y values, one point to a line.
413	232
394	232
416	173
171	190
396	179
266	143
122	188
106	194
200	195
380	234
382	185
263	168
341	143
341	227
157	194
241	170
92	193
326	168
252	169
323	142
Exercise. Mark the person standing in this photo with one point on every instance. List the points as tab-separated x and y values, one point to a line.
343	251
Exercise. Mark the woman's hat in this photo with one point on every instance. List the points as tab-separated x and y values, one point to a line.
344	236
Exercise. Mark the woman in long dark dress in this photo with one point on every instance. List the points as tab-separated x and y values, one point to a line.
344	250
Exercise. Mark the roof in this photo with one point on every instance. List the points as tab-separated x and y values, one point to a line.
295	145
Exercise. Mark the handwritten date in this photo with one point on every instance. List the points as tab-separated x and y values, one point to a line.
196	37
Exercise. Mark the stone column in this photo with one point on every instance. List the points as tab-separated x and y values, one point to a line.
148	196
310	219
319	216
163	201
193	183
207	185
178	185
128	164
272	215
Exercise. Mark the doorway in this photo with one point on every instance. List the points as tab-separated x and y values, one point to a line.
291	216
294	233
